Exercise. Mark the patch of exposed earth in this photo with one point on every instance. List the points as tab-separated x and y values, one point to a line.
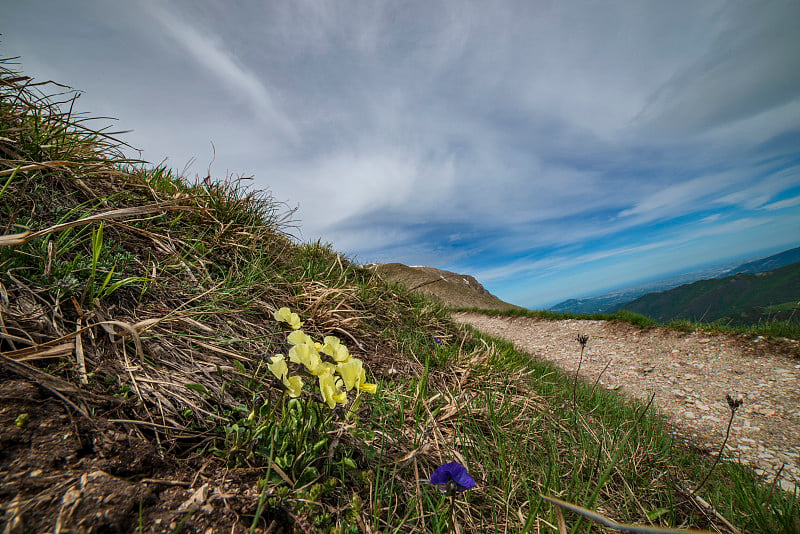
690	375
61	471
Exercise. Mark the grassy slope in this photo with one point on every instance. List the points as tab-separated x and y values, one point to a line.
451	294
170	287
735	299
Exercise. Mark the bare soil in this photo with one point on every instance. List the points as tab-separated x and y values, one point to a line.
690	375
63	472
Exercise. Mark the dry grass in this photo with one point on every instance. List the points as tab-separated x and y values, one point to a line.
140	305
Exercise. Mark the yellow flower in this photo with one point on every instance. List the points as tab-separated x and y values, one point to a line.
335	349
278	366
294	385
350	371
354	376
285	315
303	354
309	357
361	383
298	337
364	386
329	388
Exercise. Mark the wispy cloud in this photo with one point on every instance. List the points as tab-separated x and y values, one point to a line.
550	149
209	51
740	74
782	204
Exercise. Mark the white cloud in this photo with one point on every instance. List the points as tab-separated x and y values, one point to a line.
453	132
675	199
209	51
741	73
544	267
761	188
782	204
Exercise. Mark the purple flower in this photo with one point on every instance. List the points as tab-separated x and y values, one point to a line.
452	476
438	340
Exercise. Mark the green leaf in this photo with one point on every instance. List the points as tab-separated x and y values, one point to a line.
97	246
130	280
655	514
197	387
8	182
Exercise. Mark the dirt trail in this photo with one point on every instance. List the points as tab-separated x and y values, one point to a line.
690	375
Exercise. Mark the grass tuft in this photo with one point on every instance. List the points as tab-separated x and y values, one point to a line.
155	294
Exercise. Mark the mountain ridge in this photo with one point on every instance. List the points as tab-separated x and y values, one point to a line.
614	300
741	298
454	290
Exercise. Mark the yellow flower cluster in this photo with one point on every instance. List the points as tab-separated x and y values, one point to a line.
285	315
341	370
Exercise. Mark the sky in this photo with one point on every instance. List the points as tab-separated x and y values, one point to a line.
552	149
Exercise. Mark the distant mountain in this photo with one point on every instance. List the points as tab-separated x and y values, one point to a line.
769	263
591	305
453	289
742	298
613	301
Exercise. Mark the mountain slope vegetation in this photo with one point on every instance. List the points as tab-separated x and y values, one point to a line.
740	299
147	385
776	261
452	289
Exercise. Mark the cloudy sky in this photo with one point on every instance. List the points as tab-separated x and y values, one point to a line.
553	149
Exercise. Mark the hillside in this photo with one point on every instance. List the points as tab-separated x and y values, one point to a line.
173	360
742	298
616	300
452	289
612	301
776	261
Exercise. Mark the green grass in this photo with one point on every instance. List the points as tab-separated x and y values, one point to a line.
198	268
622	315
769	328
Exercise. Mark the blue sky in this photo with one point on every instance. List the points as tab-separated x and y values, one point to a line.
551	149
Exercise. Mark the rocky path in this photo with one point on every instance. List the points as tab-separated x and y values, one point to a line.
690	375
